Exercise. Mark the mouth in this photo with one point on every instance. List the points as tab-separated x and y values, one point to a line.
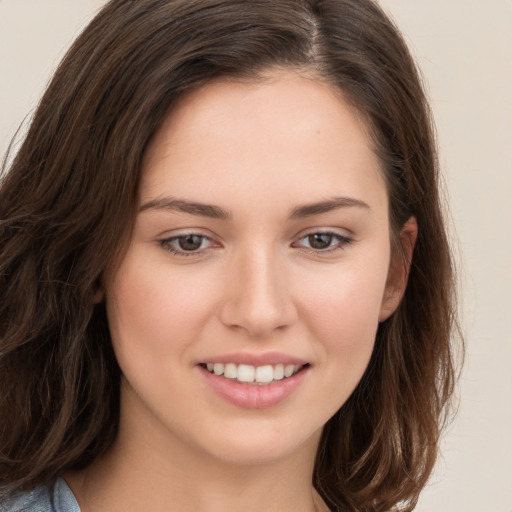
254	375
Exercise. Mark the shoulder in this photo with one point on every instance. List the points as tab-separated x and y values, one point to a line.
39	500
36	500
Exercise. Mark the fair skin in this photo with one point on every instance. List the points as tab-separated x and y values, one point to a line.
262	239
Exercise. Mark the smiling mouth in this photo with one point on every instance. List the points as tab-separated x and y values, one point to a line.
255	375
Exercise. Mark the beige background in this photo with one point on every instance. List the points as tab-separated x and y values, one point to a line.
465	50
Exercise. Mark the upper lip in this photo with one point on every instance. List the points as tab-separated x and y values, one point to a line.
255	359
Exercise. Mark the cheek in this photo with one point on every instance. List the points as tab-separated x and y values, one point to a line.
343	315
157	312
348	300
346	333
148	308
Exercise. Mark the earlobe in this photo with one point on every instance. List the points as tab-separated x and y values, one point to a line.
98	296
399	270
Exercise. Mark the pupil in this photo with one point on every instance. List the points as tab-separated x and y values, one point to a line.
320	240
190	242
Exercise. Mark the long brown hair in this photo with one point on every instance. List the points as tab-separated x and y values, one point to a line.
67	206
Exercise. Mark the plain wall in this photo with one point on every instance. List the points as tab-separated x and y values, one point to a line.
464	48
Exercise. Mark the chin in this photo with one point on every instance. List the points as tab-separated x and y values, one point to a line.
259	446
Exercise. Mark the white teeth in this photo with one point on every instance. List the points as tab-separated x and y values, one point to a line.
278	371
288	370
245	373
264	374
257	374
230	371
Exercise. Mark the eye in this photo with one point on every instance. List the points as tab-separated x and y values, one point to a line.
323	241
187	244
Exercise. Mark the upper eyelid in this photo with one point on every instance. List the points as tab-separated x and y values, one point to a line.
185	233
329	233
177	233
172	238
172	235
341	243
342	232
166	244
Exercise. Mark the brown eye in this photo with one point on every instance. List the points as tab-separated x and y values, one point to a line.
320	240
190	242
325	242
186	245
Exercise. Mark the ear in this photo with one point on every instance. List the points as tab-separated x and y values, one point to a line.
98	296
399	270
99	293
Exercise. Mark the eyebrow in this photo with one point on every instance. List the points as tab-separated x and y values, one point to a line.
216	212
309	210
191	207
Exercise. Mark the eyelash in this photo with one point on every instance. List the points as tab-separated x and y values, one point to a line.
166	244
342	242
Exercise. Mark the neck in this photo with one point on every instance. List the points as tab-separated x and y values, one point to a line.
140	483
149	470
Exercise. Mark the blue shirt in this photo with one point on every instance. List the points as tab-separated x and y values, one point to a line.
39	500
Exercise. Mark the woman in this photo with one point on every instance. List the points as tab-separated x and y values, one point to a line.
226	280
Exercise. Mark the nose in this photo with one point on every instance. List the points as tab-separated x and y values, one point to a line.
258	298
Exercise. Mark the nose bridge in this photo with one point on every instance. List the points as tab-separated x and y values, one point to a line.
259	300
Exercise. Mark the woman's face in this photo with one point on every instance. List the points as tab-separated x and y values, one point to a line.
261	249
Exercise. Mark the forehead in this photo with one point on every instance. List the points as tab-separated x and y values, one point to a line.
285	129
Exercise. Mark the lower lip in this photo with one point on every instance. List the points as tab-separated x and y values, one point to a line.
251	396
